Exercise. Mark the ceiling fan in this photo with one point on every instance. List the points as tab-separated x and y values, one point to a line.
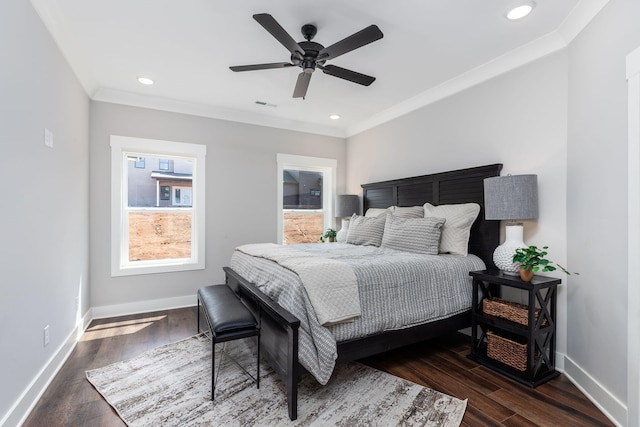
310	55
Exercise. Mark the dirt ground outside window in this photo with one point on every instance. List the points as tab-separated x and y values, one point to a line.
161	235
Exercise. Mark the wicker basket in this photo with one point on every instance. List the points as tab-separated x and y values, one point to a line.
508	351
509	310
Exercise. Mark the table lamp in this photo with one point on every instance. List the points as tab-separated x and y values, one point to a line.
346	206
511	198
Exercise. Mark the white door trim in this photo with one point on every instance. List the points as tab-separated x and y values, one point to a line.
633	297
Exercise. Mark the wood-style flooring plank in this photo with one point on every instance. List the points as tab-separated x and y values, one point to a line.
442	364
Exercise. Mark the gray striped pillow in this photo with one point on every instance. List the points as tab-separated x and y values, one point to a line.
408	212
366	230
417	235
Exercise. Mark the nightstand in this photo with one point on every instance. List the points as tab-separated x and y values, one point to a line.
517	340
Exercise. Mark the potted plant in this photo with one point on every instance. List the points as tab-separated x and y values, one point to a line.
330	235
532	260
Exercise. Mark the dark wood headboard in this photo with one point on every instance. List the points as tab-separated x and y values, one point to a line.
459	186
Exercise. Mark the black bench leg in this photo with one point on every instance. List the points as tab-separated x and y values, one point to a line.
258	365
213	367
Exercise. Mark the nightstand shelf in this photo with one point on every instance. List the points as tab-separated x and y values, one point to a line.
534	343
506	325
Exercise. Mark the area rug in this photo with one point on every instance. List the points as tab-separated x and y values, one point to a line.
171	386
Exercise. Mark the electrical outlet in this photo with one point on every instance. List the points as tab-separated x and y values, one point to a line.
46	335
48	138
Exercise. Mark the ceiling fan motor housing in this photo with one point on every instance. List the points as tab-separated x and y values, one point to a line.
310	55
311	51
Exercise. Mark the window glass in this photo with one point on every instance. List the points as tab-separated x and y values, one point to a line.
306	188
157	215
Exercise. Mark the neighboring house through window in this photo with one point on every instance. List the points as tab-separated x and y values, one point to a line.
157	216
306	190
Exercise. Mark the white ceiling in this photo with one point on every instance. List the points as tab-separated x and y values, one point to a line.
430	49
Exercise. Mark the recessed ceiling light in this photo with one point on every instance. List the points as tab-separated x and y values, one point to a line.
334	116
520	10
145	80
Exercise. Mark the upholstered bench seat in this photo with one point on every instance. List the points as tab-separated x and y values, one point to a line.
228	319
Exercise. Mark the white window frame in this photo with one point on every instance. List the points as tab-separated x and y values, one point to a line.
314	164
120	147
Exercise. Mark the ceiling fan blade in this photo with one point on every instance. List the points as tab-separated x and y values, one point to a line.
301	85
276	30
343	73
261	66
354	41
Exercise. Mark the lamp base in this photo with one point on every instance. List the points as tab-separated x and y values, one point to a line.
503	255
341	236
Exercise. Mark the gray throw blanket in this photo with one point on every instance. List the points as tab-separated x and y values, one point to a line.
330	284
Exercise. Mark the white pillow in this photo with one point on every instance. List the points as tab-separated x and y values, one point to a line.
457	228
417	235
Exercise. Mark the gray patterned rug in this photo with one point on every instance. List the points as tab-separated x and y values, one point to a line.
170	386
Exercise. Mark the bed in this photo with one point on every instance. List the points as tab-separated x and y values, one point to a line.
281	331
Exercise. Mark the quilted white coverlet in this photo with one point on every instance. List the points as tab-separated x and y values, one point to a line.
330	284
396	290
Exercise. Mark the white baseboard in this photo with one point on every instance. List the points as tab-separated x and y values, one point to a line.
30	396
103	311
610	406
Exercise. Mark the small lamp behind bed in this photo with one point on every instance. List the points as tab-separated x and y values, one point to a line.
511	197
346	206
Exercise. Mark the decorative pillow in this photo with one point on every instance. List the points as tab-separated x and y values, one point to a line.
457	228
366	230
408	212
417	235
375	212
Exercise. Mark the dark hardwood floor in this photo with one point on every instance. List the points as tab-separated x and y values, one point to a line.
493	400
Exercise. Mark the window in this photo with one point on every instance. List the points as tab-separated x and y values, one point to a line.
139	162
163	164
157	216
306	188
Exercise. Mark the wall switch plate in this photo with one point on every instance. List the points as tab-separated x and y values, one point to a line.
46	335
48	138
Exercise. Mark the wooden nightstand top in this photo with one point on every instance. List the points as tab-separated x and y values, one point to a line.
498	277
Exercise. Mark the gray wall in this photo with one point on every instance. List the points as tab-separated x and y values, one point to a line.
597	193
517	119
563	117
44	211
241	191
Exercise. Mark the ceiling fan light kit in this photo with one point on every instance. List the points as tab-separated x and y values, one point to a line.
309	55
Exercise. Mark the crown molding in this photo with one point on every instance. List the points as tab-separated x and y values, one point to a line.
575	22
507	62
579	18
163	104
